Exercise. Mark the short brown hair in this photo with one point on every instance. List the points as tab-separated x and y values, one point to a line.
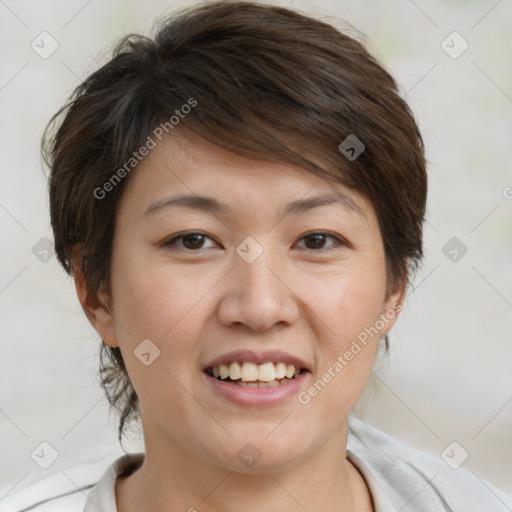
269	83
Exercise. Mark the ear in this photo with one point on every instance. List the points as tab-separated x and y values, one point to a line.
96	309
392	306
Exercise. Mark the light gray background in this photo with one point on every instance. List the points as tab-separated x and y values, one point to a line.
448	376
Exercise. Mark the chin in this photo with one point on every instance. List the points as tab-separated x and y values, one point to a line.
259	452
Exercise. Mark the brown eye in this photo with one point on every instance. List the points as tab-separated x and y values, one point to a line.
316	241
189	241
193	241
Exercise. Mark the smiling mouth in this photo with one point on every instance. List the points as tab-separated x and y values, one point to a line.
253	375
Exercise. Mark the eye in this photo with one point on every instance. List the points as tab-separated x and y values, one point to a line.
193	240
317	240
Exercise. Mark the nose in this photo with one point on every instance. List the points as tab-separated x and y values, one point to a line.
258	295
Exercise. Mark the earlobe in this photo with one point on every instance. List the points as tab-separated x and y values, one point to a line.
96	310
392	306
395	300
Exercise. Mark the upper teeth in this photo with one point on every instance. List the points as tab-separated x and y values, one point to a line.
248	372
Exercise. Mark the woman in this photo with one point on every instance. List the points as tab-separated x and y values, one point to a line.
240	202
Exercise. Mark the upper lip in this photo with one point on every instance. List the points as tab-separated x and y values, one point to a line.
242	356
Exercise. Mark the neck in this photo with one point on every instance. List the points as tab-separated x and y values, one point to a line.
176	479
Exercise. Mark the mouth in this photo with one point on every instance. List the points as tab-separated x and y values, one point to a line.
252	375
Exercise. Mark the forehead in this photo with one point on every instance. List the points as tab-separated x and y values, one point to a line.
186	157
186	170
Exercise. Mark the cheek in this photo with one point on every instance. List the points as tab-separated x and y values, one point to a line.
159	303
348	305
346	348
153	303
149	298
346	302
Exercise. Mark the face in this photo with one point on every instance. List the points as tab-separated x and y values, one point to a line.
273	265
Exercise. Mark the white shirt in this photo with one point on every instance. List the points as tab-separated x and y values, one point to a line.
400	479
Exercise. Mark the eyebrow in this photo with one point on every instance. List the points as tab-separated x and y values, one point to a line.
209	204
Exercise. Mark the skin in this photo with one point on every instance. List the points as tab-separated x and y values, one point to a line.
199	302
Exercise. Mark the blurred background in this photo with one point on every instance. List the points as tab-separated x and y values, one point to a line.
448	375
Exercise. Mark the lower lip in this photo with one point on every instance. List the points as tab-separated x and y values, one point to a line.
257	397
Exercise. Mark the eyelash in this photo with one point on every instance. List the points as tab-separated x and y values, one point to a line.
172	241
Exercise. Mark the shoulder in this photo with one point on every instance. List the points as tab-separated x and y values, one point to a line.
75	489
414	480
102	495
